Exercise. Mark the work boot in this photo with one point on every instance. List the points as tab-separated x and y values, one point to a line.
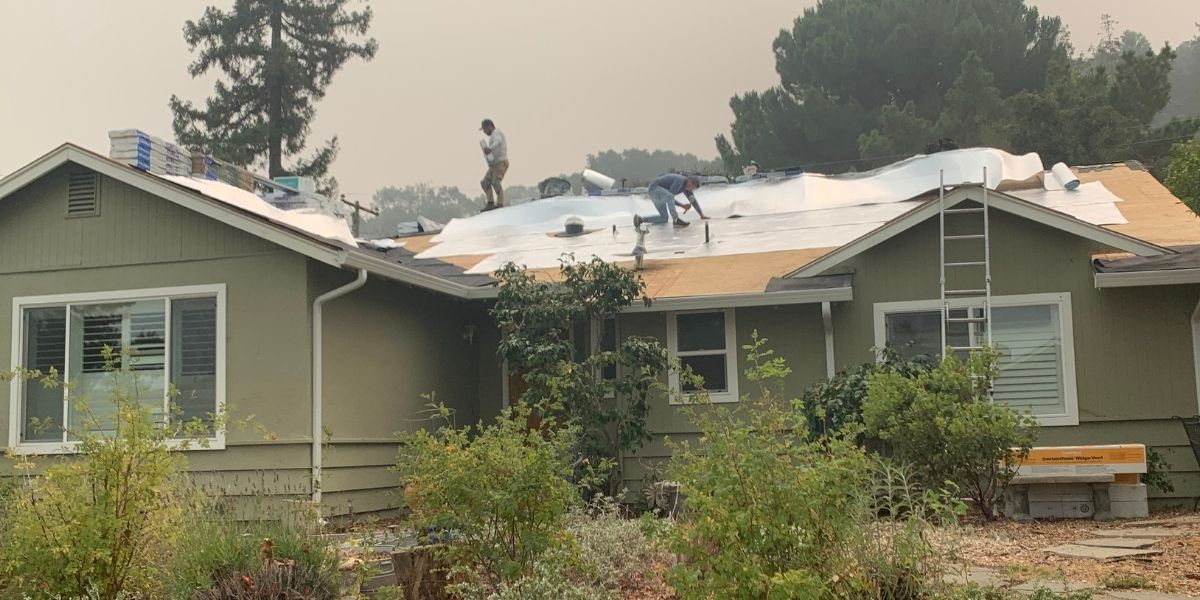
680	223
488	206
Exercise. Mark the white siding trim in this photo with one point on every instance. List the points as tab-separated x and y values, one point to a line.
731	358
1143	278
217	442
827	319
1070	415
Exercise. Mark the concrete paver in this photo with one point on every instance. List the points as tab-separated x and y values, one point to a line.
1119	542
1078	551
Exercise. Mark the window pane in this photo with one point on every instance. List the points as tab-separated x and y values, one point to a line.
701	331
45	349
919	334
137	326
194	358
608	343
1030	363
711	368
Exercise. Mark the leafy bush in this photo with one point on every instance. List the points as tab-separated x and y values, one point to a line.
601	557
605	391
834	406
1158	472
221	558
943	422
100	522
501	490
770	515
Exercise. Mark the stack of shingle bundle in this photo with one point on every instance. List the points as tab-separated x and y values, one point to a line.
143	151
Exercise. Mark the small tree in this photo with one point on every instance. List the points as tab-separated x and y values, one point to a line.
1183	174
98	526
606	392
771	514
944	423
499	491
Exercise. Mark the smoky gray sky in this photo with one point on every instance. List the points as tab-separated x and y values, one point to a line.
561	78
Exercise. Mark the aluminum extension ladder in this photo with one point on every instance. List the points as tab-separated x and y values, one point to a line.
973	295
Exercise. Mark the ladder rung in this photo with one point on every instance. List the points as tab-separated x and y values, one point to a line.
963	210
973	263
970	292
973	236
966	320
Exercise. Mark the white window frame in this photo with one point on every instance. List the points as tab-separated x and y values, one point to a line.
16	395
1070	416
677	395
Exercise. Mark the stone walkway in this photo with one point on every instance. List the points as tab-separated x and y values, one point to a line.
1135	540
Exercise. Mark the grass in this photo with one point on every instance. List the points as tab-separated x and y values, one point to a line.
1124	581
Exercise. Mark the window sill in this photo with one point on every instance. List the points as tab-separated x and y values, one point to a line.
59	448
1056	420
713	398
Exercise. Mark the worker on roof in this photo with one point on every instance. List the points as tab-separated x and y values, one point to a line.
662	193
495	151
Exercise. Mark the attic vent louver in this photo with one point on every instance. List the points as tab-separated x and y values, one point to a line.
83	194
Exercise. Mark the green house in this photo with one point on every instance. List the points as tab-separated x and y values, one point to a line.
333	346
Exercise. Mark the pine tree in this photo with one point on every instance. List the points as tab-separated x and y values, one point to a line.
277	57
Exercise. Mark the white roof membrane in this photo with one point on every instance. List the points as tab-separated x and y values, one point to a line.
806	211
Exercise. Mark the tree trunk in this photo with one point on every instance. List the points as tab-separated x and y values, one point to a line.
275	69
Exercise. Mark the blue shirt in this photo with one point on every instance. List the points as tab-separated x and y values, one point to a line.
671	182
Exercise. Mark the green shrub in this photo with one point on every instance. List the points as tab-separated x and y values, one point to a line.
98	523
768	514
1158	472
501	490
216	552
834	406
943	422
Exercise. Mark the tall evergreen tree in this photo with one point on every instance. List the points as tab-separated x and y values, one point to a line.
277	57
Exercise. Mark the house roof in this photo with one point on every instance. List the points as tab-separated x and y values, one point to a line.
400	266
764	235
1120	206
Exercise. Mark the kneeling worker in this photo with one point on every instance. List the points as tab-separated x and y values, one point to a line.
662	193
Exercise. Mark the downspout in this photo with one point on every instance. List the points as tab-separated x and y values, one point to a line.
318	360
827	318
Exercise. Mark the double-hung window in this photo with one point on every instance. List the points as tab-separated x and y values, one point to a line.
163	348
705	343
1032	334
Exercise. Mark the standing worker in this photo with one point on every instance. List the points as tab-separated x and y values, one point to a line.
662	193
495	151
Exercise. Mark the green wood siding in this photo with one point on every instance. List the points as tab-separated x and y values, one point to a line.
133	227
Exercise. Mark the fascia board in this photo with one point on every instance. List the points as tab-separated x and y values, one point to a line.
843	294
1147	278
997	200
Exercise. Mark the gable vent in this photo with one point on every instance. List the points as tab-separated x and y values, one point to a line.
83	194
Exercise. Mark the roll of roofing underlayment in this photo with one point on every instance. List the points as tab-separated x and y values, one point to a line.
598	179
1065	176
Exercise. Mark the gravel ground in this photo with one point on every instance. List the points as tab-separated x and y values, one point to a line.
1015	550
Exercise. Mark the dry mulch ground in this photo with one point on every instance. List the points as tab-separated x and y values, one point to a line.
1014	549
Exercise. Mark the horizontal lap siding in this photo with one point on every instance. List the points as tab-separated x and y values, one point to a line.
141	241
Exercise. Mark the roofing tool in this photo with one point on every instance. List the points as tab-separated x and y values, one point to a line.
706	238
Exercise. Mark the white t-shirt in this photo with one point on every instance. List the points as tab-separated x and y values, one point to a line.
498	145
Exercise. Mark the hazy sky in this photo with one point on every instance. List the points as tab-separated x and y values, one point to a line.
561	78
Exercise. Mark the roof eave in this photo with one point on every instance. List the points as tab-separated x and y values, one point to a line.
997	200
1147	278
678	303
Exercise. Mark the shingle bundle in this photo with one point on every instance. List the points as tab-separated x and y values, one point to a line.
141	150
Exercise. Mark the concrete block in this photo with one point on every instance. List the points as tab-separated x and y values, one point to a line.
1129	510
1061	510
1127	493
1060	492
